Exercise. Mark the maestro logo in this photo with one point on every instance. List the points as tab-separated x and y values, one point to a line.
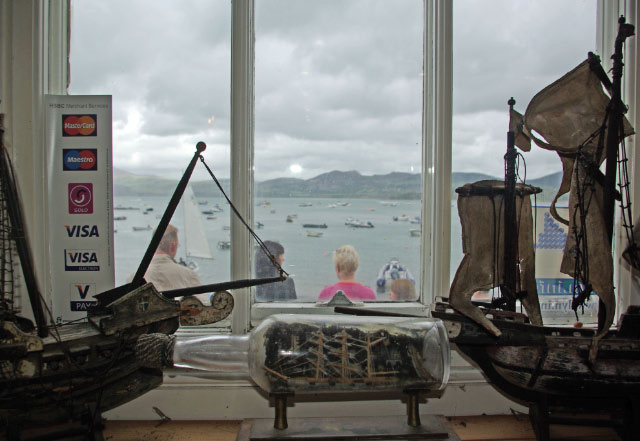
79	295
81	198
81	260
80	160
79	125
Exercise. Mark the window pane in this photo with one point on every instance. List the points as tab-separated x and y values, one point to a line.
515	50
167	65
338	139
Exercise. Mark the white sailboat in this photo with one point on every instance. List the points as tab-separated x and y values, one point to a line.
196	244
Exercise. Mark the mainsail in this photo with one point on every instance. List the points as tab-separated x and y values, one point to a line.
196	242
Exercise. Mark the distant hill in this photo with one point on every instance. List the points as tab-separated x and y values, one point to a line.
334	184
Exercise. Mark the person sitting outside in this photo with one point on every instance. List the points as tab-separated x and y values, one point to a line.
346	263
164	272
402	290
277	291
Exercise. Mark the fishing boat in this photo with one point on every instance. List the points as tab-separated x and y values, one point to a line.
70	373
147	228
355	223
224	244
314	234
314	225
562	374
415	232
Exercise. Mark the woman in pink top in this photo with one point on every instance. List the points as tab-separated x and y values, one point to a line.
346	261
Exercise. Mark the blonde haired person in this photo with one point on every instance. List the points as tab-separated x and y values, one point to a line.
346	263
402	290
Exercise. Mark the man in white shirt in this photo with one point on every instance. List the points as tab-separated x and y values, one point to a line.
164	272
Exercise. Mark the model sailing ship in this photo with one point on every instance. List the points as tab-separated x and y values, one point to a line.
72	372
554	368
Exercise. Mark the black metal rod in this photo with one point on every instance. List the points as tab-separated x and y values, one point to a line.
166	217
223	286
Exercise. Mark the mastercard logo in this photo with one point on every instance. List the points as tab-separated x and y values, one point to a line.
79	125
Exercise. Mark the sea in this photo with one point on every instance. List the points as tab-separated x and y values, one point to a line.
307	259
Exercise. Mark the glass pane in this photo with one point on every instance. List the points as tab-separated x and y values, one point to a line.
515	50
338	137
167	65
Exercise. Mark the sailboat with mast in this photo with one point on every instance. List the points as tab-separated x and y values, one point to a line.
196	244
554	369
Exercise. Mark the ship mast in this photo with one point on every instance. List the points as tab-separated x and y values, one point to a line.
510	246
614	135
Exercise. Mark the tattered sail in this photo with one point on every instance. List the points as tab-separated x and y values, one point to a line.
570	117
483	243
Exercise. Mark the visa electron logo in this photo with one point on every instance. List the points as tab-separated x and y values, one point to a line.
81	198
82	230
79	125
81	260
78	295
81	160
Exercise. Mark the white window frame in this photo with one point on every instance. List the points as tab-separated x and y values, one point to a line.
436	163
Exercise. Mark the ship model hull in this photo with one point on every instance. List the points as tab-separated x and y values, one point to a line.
82	369
529	362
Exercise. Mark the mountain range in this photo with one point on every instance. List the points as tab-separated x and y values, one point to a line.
334	184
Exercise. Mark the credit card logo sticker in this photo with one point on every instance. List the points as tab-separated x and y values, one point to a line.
81	296
81	198
81	260
79	160
79	125
82	230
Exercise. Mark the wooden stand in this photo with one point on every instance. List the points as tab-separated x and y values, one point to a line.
348	428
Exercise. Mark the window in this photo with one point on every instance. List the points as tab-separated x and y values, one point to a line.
522	50
338	140
168	69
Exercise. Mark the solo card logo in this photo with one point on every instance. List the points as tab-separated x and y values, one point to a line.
82	230
81	160
81	198
79	295
81	260
79	125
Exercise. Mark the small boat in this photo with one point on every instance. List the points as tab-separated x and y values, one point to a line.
355	223
203	202
211	218
208	212
314	234
121	207
224	244
120	218
403	218
314	225
217	208
414	232
147	228
415	220
148	209
259	225
343	204
306	204
291	217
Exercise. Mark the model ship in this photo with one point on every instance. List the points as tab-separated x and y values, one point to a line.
552	369
52	373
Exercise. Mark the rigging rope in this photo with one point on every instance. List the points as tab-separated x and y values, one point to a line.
259	241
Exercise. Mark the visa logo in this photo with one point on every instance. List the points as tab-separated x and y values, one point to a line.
81	260
82	230
82	306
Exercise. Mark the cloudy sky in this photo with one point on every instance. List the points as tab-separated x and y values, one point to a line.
338	82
